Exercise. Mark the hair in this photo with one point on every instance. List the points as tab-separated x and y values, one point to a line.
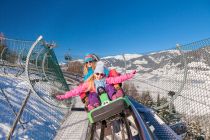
90	81
85	68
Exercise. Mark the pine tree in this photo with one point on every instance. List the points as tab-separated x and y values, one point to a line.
130	89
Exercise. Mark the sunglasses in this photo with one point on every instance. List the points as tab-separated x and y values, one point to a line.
101	74
89	62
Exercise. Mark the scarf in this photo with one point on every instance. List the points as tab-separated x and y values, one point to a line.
100	83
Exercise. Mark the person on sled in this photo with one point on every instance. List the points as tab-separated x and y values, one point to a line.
98	79
88	70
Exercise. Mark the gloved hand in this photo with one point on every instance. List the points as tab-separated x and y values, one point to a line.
60	97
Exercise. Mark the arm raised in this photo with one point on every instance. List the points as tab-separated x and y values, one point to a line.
120	79
74	92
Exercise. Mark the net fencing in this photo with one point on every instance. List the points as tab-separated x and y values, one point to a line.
41	67
194	100
27	66
45	74
174	82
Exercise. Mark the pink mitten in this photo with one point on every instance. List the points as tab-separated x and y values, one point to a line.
90	107
114	97
119	93
59	97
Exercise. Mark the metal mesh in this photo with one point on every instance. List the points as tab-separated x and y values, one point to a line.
157	126
178	82
45	74
164	74
194	101
158	73
13	55
25	69
43	71
38	121
182	77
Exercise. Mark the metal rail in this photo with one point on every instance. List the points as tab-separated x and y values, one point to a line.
12	108
19	115
160	130
144	130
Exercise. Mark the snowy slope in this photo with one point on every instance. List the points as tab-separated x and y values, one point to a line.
40	120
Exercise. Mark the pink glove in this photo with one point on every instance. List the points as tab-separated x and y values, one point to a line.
133	72
60	97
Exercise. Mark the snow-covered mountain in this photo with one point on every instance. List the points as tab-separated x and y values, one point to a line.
185	73
157	60
143	63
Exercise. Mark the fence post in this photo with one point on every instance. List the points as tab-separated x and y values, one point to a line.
125	64
18	115
2	91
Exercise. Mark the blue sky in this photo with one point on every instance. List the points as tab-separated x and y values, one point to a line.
107	27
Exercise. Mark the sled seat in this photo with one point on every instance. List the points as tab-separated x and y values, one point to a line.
104	112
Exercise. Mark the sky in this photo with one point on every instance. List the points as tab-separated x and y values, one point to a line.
106	27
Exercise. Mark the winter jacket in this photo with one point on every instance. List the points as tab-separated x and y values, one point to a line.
109	80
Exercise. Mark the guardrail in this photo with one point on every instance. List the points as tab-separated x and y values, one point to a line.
35	65
146	134
154	128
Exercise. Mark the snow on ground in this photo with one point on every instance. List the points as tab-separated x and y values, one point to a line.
39	120
168	51
194	98
141	68
140	62
120	57
153	59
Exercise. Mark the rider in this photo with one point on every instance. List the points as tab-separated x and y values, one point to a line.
98	79
88	70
